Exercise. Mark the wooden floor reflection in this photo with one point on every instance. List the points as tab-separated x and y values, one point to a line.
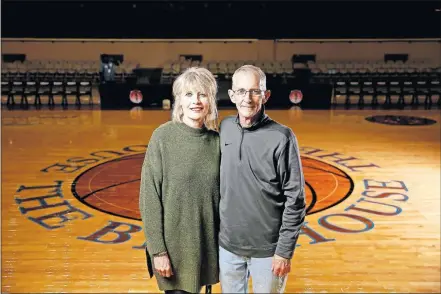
69	201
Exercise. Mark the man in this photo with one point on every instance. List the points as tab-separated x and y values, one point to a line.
107	71
262	206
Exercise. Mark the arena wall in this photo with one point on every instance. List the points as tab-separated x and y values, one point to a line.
156	53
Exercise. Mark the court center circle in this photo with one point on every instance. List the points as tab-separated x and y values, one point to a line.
112	187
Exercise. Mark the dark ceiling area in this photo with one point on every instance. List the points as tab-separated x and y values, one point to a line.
221	19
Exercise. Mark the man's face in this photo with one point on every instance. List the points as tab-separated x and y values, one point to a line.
248	95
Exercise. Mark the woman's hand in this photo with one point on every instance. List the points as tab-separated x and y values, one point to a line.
162	265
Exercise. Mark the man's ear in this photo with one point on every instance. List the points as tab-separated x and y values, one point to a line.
267	96
231	94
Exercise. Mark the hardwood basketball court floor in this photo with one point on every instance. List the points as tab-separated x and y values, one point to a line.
70	221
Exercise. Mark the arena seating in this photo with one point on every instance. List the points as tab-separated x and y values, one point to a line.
391	83
36	78
354	82
224	69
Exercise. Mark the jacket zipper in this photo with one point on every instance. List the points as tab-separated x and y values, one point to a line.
240	145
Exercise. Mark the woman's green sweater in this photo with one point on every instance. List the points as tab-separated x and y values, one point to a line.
179	203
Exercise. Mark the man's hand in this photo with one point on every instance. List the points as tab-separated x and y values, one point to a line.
281	266
162	265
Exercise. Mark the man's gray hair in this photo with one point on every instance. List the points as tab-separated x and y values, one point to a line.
251	69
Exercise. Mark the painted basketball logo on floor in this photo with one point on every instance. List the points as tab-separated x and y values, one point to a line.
113	187
107	182
401	120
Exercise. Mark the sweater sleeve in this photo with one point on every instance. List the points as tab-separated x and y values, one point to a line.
293	185
150	197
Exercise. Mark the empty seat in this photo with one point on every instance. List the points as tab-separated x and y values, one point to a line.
17	89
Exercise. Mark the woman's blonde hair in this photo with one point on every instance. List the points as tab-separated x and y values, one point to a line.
200	80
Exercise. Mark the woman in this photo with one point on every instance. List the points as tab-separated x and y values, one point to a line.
179	193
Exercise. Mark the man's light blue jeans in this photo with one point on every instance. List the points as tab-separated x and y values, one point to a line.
235	272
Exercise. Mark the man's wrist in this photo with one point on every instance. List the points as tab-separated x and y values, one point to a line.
284	252
278	257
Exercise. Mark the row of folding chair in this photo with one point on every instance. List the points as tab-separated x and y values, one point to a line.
394	90
63	65
52	76
26	89
368	73
384	100
49	76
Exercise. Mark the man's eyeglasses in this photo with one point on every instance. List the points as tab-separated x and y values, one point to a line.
243	92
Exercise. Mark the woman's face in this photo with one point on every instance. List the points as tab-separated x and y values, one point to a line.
195	106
